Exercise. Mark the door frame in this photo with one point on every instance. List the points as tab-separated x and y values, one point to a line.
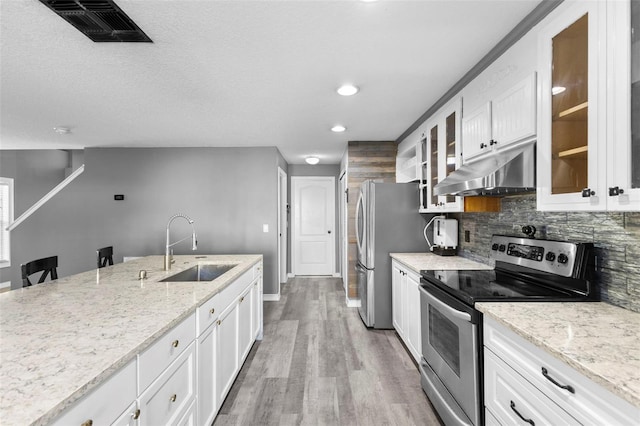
282	227
294	182
343	246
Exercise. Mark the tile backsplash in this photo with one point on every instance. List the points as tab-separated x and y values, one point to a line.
616	237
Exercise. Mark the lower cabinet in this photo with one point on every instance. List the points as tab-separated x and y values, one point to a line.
184	376
405	293
526	385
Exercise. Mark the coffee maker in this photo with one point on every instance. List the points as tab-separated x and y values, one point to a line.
445	236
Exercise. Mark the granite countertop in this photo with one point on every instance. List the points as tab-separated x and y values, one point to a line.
419	261
60	339
599	340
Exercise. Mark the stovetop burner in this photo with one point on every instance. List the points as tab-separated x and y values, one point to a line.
526	270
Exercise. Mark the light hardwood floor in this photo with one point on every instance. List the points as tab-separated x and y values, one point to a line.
319	364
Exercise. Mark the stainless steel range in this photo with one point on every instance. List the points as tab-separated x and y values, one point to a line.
526	269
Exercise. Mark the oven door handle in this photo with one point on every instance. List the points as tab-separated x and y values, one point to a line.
463	316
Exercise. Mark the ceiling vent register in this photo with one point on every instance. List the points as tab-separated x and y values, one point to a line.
100	20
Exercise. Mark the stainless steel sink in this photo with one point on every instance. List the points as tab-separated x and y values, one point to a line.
200	273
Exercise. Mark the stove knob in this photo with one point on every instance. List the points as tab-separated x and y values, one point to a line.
502	247
562	258
551	256
494	246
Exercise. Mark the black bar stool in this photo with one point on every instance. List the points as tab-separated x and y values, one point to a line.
45	265
105	256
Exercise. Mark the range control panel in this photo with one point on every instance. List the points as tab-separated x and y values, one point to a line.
556	257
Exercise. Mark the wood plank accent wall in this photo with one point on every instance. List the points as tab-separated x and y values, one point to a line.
366	160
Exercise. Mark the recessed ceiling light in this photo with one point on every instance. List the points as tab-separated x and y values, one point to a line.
347	90
556	90
312	160
62	130
338	128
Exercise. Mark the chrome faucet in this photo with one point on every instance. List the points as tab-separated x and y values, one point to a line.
168	253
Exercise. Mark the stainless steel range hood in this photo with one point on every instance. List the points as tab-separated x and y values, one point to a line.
500	173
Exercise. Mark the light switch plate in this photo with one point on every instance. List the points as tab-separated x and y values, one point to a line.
265	227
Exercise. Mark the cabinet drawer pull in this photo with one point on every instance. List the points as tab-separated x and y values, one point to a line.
242	299
175	343
513	407
136	414
173	398
219	322
546	375
212	311
87	423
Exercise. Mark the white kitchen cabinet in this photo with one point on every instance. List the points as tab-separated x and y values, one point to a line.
405	289
543	388
227	354
397	298
245	324
507	119
208	403
172	393
587	157
105	404
407	162
439	153
189	417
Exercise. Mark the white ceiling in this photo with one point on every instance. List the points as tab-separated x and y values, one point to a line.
240	73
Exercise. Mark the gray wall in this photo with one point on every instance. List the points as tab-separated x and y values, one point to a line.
616	237
315	170
229	192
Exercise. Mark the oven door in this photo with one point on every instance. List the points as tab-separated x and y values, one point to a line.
450	351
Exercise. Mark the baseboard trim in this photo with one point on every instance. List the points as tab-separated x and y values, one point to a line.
337	275
5	286
353	303
291	275
271	297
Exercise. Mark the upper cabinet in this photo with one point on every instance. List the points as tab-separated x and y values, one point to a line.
508	118
585	146
407	163
439	155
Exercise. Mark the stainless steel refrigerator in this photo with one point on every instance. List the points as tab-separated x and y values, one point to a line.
387	221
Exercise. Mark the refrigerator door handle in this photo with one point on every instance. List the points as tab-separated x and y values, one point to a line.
358	204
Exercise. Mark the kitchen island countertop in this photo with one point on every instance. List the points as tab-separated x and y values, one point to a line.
61	339
599	340
420	261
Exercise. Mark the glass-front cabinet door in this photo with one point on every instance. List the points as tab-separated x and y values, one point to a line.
571	170
623	168
441	155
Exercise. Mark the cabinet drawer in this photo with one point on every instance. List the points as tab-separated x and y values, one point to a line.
105	403
514	401
165	350
222	300
209	312
257	270
167	398
589	402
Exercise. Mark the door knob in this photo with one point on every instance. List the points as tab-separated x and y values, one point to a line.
328	232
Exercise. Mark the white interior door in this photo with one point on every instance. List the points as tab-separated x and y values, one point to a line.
313	200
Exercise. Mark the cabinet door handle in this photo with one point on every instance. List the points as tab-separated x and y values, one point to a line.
513	407
136	414
615	191
483	145
219	322
173	398
87	423
175	343
587	192
242	299
546	375
212	311
492	142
